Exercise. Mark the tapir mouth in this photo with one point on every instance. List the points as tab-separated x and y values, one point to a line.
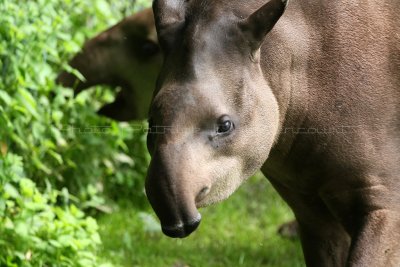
67	79
182	229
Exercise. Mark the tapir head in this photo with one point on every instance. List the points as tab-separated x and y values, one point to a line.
125	55
213	118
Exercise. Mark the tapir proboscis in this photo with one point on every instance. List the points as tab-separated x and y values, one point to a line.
308	92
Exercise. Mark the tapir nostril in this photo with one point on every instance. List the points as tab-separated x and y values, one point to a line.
183	229
203	193
190	227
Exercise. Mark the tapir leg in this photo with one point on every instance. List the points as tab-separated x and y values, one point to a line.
376	242
370	212
324	241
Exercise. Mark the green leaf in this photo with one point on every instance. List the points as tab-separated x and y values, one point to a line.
8	223
56	156
27	100
19	141
10	192
55	243
40	165
5	97
76	212
27	187
103	8
22	229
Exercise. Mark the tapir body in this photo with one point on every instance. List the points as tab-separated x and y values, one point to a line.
310	97
126	55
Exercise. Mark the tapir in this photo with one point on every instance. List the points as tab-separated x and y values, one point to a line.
128	56
308	92
103	56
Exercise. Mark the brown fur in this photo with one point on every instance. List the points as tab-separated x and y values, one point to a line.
319	115
126	55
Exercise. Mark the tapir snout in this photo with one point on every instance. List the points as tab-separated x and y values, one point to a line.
173	195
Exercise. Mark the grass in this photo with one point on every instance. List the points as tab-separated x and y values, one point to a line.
241	231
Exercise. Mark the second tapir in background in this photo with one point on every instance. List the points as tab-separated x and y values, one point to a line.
126	55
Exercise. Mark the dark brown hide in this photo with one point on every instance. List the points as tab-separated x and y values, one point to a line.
316	108
125	56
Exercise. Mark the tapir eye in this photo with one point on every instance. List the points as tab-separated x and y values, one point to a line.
149	48
225	125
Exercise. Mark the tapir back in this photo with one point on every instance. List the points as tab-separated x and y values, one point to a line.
335	69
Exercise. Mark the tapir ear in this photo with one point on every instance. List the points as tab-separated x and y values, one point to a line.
261	22
168	15
167	12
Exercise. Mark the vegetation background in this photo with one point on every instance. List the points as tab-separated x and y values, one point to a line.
72	196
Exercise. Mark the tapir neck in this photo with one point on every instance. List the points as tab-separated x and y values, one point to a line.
284	63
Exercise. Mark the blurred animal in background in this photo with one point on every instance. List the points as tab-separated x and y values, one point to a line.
125	56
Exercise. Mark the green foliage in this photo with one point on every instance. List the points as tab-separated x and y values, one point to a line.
35	230
58	159
43	122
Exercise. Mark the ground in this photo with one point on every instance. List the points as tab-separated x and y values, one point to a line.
241	231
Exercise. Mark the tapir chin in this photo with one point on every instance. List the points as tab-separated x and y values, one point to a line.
307	92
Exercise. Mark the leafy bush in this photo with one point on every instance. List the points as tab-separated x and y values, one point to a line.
50	144
41	121
35	231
